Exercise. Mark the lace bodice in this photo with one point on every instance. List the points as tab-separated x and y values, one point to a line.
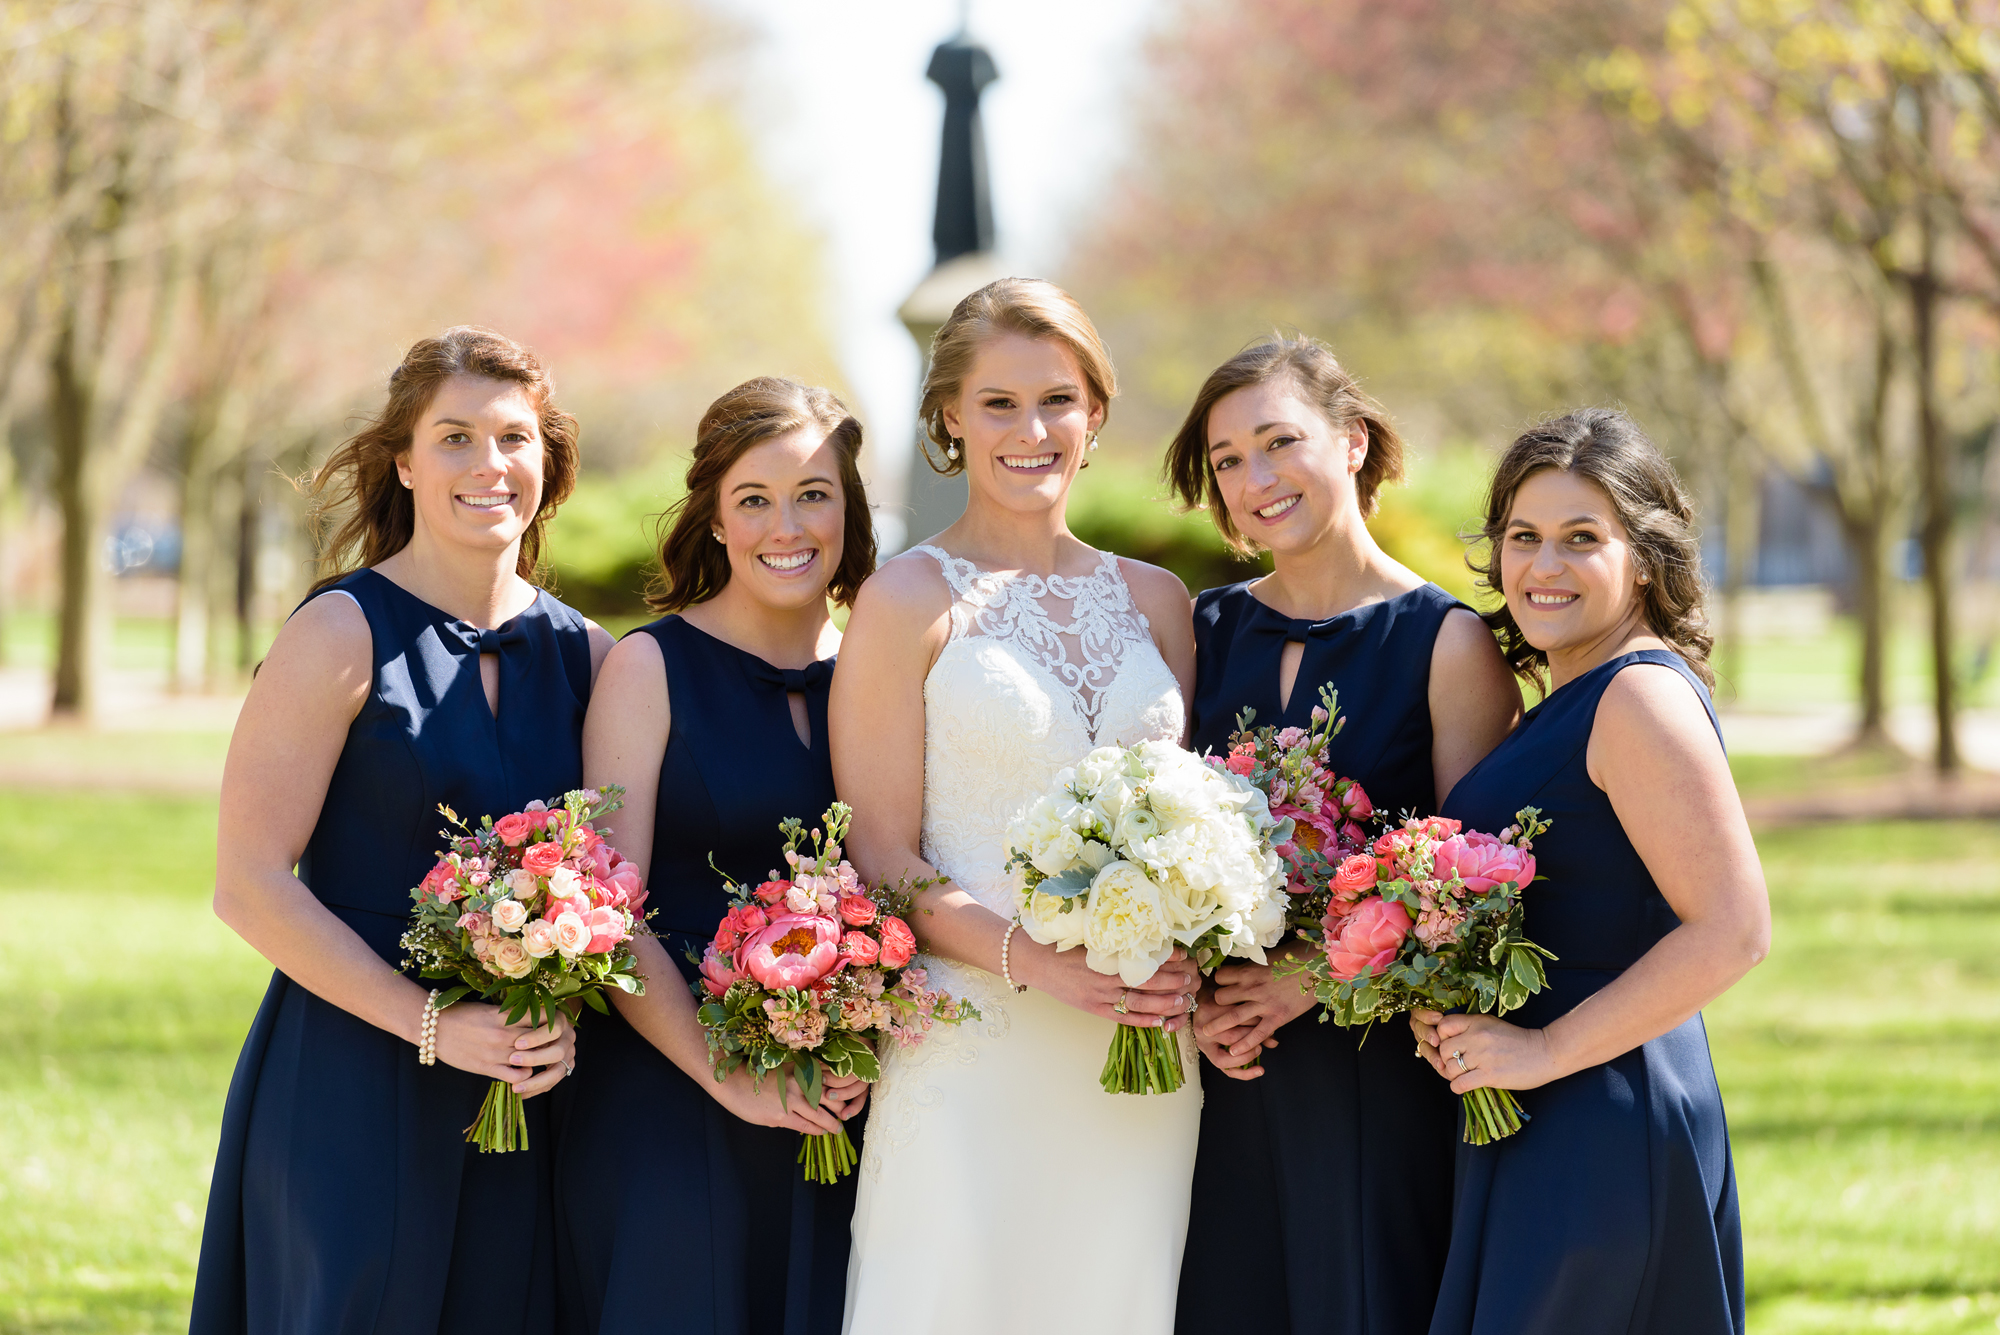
1037	671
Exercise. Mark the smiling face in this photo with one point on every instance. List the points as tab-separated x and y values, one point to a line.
1567	566
1023	420
1285	473
475	463
783	516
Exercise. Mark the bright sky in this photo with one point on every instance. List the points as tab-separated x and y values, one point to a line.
845	117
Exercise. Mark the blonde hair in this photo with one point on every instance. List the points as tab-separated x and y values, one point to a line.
1026	306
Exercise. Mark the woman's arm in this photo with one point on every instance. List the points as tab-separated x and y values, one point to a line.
281	758
624	742
899	625
1655	754
1163	600
1475	701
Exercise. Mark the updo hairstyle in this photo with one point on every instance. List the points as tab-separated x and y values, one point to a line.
358	481
1310	367
1607	449
1026	306
694	567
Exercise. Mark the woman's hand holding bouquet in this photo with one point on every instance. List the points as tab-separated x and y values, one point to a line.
1430	919
1138	854
534	911
805	970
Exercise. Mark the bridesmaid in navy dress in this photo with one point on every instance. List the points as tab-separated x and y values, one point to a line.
346	1199
1304	1181
681	1204
1614	1209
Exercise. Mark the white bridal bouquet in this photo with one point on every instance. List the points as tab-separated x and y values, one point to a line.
1136	851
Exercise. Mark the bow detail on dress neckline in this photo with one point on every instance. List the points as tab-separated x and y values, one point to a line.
792	679
489	639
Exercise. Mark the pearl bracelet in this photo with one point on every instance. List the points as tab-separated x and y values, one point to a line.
427	1040
1006	942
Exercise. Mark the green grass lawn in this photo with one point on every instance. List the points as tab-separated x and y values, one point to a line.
1858	1065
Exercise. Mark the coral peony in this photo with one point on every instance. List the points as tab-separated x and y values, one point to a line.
1365	941
794	950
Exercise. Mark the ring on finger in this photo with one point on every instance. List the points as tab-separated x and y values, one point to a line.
1193	1003
1124	1001
1458	1055
567	1068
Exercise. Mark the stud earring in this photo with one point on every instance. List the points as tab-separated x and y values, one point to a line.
1645	579
407	483
716	533
951	451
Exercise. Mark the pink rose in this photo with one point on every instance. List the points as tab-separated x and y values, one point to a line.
795	950
572	934
588	839
1240	764
771	892
541	859
898	942
857	910
717	973
510	915
437	880
571	903
1366	940
607	929
859	948
745	919
1435	827
627	890
1354	803
1482	862
513	830
479	924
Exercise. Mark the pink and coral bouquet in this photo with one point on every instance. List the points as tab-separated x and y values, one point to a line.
533	911
1330	815
1430	917
807	970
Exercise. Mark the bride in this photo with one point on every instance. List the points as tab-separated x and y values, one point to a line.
1001	1189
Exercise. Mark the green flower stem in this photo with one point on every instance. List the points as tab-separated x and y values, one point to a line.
502	1124
1490	1115
828	1158
1142	1061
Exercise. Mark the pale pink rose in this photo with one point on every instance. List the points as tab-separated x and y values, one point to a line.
795	950
898	942
1482	862
522	884
564	882
479	924
539	938
536	805
514	829
607	929
542	859
511	959
1367	939
572	933
857	910
509	915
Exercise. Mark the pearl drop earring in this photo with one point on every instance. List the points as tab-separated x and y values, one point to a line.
1093	441
951	451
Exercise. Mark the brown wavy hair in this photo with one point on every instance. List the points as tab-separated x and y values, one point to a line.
1608	449
1028	306
358	482
694	567
1322	381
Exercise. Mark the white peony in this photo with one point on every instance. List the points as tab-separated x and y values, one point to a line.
1043	919
1124	927
1054	857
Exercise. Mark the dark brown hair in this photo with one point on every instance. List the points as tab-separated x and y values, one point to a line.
1027	306
1607	449
694	567
1322	381
358	480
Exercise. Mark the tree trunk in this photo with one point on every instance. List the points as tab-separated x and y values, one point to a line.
1934	467
249	537
80	561
1739	542
198	544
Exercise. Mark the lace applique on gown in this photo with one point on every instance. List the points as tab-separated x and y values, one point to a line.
986	1137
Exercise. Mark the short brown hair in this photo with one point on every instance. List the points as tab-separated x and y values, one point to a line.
693	566
1607	449
1322	381
359	478
1027	306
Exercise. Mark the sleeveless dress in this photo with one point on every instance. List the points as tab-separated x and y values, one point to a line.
1614	1210
1306	1177
345	1196
1002	1190
672	1213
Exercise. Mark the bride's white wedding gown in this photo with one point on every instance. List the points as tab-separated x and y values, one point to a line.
1002	1190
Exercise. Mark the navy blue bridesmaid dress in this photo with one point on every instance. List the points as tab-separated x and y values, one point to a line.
1310	1212
1614	1209
674	1215
345	1198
